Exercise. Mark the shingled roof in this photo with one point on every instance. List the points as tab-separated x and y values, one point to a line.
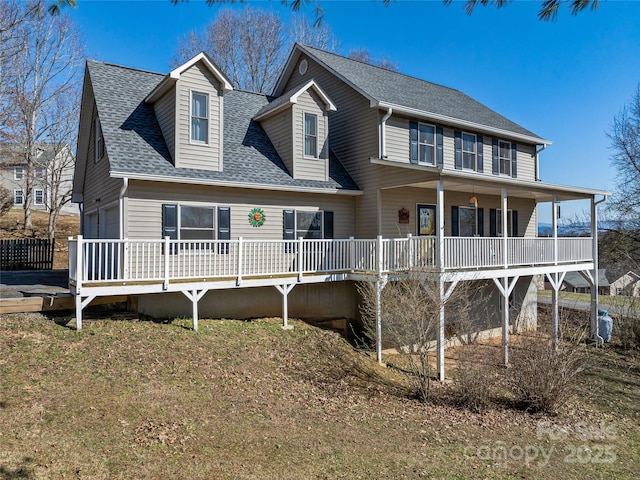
135	145
386	88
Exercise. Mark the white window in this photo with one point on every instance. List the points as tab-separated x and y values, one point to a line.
40	173
38	196
199	117
509	223
468	151
309	224
310	135
504	157
197	223
98	146
18	173
18	197
426	143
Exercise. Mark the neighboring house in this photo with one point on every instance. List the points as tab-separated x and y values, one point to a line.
577	283
627	285
13	175
341	150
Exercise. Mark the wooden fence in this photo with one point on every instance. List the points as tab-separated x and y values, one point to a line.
26	254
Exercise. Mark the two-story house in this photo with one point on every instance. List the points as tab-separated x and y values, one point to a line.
52	175
348	172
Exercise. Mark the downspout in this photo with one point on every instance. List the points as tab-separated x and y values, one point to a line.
383	130
123	190
594	290
537	161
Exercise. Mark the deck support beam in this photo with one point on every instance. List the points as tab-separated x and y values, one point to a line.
443	298
80	305
195	295
505	287
284	290
595	334
555	279
379	285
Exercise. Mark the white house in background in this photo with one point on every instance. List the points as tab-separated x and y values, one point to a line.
13	175
575	282
348	172
627	285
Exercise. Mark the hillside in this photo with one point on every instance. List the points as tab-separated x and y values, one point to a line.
138	399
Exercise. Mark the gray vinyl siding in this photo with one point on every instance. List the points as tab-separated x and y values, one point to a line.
278	128
145	201
306	167
190	154
165	109
353	137
99	188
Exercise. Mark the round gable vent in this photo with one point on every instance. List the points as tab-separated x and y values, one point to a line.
302	68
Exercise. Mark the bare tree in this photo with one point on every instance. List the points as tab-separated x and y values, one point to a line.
247	44
318	36
44	72
363	55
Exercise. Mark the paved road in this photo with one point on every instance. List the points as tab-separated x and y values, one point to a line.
29	283
585	306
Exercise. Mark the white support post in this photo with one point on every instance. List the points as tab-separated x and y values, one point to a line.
78	300
352	254
505	321
380	283
554	228
284	290
505	233
440	226
411	251
300	258
555	285
380	256
79	279
441	338
167	255
195	296
595	334
125	259
240	248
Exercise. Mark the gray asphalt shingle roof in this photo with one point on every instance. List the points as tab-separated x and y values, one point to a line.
574	279
135	144
396	88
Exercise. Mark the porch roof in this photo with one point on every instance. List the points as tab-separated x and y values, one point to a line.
471	182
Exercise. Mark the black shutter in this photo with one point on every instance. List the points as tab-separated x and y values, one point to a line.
224	228
413	143
480	153
288	223
458	150
170	221
480	218
455	228
493	227
328	225
496	165
514	160
514	223
439	147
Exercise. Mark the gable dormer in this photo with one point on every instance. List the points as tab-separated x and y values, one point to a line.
298	126
189	106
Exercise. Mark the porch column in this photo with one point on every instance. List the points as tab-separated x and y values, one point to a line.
440	226
594	288
380	283
441	292
554	228
505	319
195	295
505	233
555	279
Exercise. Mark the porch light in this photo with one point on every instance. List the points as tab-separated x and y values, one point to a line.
473	202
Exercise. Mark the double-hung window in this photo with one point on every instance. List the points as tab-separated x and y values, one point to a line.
310	135
18	197
309	224
38	196
468	151
39	173
18	173
199	117
426	143
504	157
509	222
197	223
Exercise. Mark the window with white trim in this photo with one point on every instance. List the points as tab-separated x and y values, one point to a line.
509	222
504	157
39	173
18	197
18	173
469	151
310	135
98	140
426	143
199	117
38	196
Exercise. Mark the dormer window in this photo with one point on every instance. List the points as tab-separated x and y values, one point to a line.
310	135
199	117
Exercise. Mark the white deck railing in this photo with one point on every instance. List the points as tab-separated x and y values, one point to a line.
103	261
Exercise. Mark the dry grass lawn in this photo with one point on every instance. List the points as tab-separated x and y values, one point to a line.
247	400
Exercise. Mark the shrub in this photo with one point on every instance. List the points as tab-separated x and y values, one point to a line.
627	330
473	382
543	378
6	200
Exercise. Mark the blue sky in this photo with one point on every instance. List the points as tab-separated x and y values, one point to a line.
563	80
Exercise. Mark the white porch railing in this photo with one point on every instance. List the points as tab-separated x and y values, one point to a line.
104	261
